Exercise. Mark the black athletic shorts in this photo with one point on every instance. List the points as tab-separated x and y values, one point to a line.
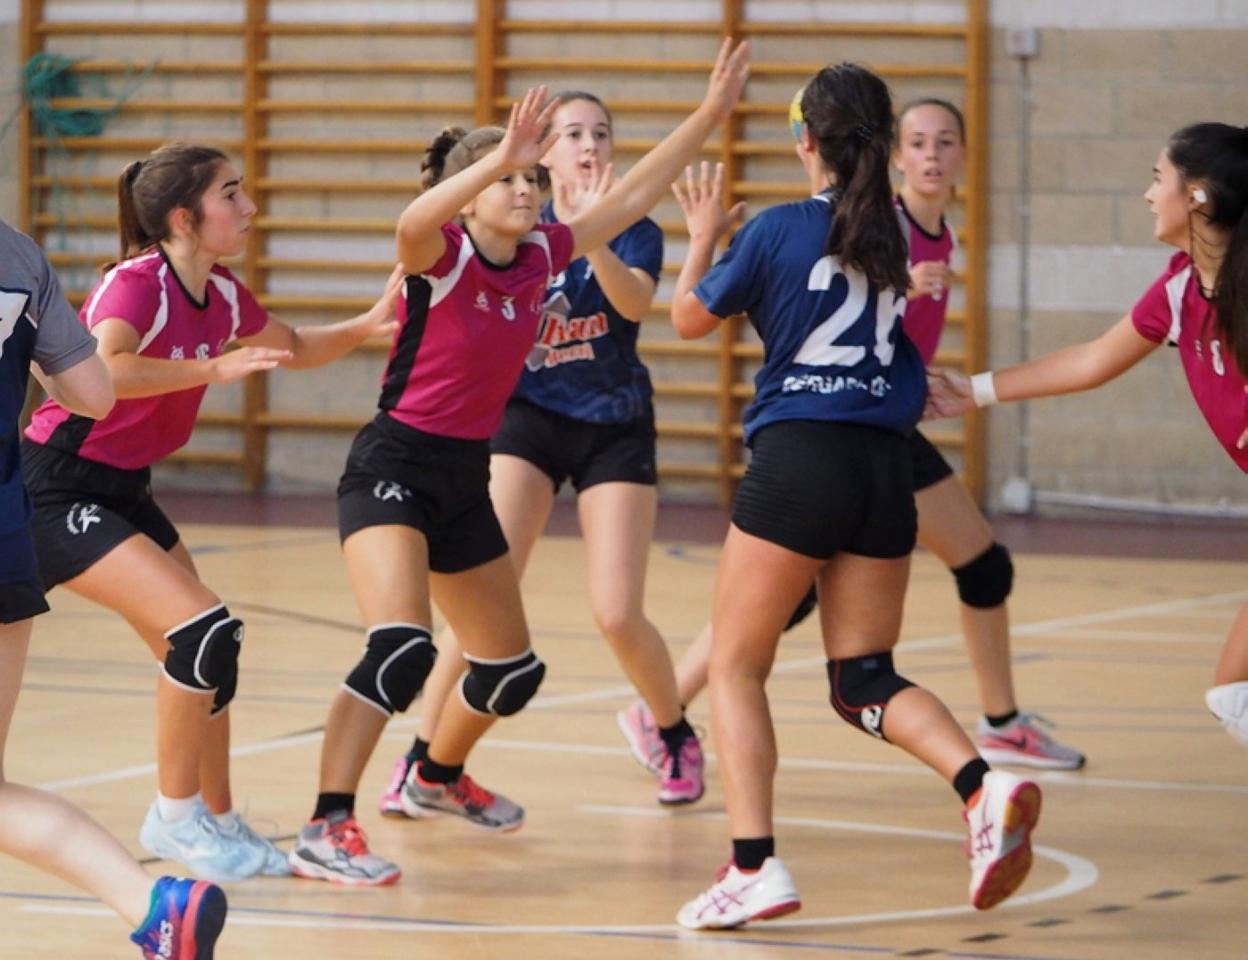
930	465
819	488
586	453
84	510
21	593
396	474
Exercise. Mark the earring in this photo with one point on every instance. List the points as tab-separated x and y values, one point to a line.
1199	195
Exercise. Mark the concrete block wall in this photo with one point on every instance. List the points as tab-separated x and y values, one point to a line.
1111	81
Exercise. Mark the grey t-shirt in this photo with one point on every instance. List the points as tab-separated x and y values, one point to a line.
25	275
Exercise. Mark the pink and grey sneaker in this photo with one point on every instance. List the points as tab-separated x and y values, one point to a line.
463	797
680	778
1022	742
735	898
999	821
637	724
391	803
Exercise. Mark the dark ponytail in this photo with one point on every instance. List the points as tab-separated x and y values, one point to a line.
1217	155
849	113
454	150
175	176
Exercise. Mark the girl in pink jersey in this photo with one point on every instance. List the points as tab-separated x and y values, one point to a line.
1199	199
415	515
163	317
929	154
582	412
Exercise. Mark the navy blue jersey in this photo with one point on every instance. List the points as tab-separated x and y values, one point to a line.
833	348
585	364
35	322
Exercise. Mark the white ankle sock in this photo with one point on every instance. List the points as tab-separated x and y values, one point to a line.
172	810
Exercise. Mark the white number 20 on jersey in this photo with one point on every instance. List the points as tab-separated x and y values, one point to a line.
820	349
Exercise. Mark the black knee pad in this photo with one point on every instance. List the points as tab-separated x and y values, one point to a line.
861	689
986	581
501	688
203	655
397	660
804	609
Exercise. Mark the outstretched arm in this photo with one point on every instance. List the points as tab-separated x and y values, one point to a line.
640	189
419	232
702	200
318	345
1080	366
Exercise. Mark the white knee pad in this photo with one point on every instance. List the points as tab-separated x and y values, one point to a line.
1229	703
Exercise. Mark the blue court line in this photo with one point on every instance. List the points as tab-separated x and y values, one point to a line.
259	545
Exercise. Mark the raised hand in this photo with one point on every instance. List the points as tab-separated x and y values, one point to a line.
580	196
728	76
528	135
948	393
701	198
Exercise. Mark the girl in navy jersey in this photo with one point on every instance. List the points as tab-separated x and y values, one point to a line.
827	494
414	507
40	828
582	412
929	153
163	317
1199	198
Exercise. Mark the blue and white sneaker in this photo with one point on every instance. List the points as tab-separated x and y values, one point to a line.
202	844
184	921
236	828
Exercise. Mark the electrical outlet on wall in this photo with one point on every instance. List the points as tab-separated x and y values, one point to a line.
1022	42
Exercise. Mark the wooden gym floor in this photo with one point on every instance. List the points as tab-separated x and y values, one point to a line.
1140	856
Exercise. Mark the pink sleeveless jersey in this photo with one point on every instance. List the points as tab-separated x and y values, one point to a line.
925	316
1173	312
146	293
466	326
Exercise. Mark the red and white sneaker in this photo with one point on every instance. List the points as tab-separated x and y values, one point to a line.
637	724
999	820
391	802
680	777
1022	742
736	898
336	849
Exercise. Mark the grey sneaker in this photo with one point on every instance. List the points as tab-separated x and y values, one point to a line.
275	862
335	849
464	797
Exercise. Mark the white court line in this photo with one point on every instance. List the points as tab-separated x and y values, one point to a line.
1081	873
620	692
1132	636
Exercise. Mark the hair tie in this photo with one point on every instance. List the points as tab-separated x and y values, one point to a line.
864	132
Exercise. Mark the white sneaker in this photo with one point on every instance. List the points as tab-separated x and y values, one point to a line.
736	898
239	830
999	822
1229	703
201	844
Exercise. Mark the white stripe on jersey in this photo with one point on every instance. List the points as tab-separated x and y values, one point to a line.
107	281
229	290
539	237
1174	294
441	286
162	312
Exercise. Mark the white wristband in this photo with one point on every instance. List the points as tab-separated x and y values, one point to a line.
982	389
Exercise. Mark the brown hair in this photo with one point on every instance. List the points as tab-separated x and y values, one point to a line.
849	113
174	176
